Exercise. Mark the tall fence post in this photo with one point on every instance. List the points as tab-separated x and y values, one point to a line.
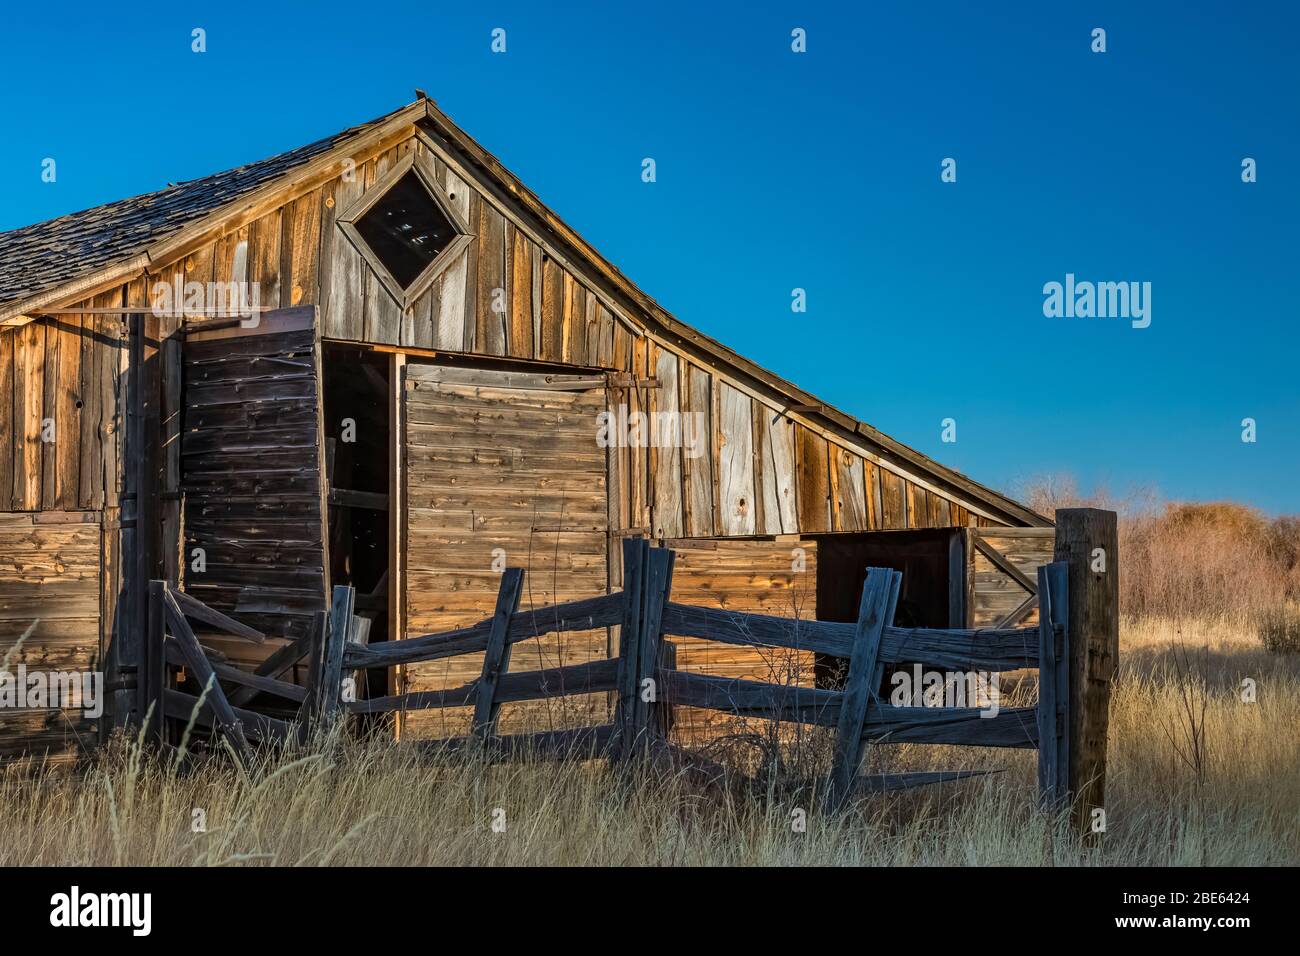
1053	686
1087	539
658	583
331	684
153	666
636	552
878	593
496	659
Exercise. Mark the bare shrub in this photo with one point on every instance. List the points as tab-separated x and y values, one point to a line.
1217	560
1278	627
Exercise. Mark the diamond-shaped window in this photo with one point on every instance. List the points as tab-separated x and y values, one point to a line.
407	229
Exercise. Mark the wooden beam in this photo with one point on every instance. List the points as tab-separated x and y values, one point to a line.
1003	564
280	661
193	608
1053	687
153	680
635	556
1019	612
658	584
331	687
227	721
1087	540
496	659
395	576
249	680
858	691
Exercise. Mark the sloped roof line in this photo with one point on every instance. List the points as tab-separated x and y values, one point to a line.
671	327
171	222
74	249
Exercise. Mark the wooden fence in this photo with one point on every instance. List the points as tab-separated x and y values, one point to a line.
645	682
643	679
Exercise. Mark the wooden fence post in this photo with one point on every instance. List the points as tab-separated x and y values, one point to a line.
496	659
331	685
880	585
636	552
1087	539
658	582
153	666
1053	686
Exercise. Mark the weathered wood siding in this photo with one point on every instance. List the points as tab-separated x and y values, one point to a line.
59	411
252	472
765	470
993	593
764	576
49	574
501	473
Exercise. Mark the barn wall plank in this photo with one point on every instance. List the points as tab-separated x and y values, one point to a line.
814	491
736	461
666	450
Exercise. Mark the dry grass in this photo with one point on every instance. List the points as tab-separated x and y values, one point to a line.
370	803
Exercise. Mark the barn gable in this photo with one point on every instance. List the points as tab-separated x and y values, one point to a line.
289	204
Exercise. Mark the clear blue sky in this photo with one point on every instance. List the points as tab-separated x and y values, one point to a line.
820	171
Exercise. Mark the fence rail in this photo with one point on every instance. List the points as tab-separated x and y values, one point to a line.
643	678
645	682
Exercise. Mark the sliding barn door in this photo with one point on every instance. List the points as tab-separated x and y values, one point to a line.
251	471
502	469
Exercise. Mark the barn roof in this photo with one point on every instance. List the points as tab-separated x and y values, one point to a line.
46	255
53	262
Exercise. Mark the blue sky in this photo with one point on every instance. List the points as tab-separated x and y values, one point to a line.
819	171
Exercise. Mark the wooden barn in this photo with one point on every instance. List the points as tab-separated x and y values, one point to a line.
429	376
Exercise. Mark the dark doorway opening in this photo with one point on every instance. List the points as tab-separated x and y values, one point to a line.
930	595
357	432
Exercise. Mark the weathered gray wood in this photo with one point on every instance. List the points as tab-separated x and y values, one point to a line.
658	584
1087	540
1053	686
496	659
891	607
1019	612
198	611
228	723
340	622
858	690
988	649
249	681
968	726
592	677
666	443
154	677
736	461
582	615
635	558
1004	565
275	665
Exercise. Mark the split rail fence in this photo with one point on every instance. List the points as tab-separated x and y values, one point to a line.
643	678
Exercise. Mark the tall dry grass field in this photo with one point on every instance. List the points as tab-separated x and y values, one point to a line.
1204	766
1233	799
